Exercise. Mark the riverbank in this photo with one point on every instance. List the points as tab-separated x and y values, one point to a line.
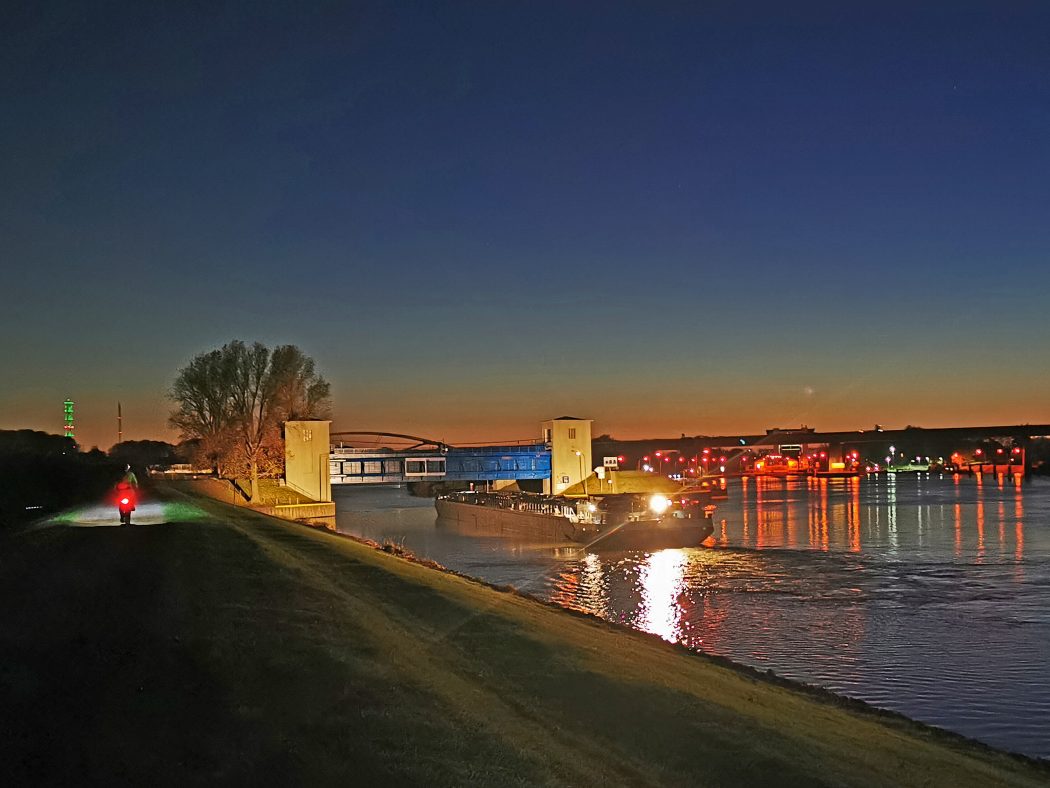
219	644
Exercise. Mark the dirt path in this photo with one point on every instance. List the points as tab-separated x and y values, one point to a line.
219	645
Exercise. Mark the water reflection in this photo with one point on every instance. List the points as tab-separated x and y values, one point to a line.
980	525
957	511
891	510
855	515
589	593
661	584
1018	526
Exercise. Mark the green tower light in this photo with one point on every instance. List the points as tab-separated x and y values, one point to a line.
68	408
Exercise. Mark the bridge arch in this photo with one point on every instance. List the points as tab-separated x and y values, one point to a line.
420	443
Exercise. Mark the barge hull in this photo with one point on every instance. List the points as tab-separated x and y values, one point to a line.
494	521
655	535
537	527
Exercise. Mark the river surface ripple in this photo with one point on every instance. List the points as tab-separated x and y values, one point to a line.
922	594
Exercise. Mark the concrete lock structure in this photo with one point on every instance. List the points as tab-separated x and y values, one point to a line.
560	459
569	439
306	449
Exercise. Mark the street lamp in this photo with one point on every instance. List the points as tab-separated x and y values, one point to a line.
583	479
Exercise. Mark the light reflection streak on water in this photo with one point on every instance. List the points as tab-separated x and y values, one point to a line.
1019	529
920	531
957	509
1002	528
660	583
592	583
980	525
825	539
854	515
891	510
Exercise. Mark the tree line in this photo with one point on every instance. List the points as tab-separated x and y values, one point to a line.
45	473
232	402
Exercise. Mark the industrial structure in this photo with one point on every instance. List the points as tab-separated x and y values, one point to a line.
562	457
991	449
559	459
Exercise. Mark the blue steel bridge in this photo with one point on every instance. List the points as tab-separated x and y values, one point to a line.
422	459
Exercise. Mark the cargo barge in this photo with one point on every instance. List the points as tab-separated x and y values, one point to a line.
613	522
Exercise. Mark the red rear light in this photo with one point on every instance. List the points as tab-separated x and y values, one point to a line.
125	501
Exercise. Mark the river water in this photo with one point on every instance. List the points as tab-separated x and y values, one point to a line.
923	594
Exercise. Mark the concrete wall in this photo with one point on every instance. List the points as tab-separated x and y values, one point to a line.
566	438
306	446
314	512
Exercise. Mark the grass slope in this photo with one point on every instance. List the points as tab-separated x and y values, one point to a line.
234	647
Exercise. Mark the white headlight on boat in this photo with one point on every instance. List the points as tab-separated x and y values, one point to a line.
592	508
658	504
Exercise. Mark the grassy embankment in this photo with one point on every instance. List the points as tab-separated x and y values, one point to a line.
225	645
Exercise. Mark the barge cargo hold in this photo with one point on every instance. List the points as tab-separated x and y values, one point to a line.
617	522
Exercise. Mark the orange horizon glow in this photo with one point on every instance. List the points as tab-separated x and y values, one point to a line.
465	422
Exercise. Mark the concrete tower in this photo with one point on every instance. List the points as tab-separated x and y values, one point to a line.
570	442
306	448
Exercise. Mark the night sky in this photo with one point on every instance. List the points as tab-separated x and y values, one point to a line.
697	217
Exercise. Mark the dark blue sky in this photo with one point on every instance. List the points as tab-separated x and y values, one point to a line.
681	218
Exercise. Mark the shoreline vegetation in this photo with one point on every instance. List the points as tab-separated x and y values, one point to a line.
226	645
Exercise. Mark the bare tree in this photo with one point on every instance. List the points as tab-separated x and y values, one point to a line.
238	397
203	393
299	392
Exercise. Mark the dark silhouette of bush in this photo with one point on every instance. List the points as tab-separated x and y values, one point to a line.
35	442
43	474
147	454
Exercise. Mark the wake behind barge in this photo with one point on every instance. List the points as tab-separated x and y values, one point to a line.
614	522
